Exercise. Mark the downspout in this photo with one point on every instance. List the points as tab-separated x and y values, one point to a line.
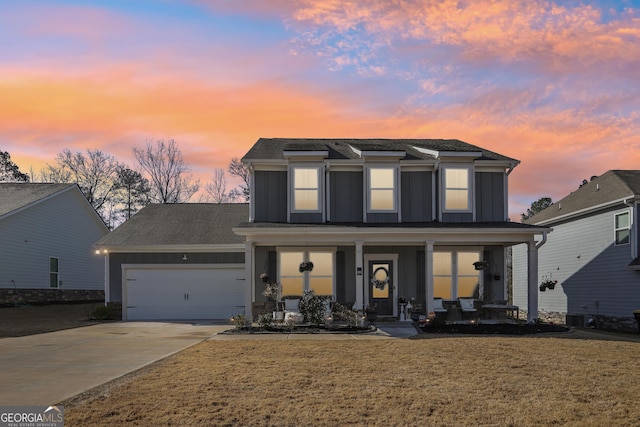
506	190
632	227
434	188
543	241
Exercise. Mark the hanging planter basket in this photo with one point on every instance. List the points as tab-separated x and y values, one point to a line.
306	266
481	265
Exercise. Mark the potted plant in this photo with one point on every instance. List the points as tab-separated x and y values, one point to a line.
371	312
274	292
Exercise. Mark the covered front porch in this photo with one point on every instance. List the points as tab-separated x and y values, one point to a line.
400	272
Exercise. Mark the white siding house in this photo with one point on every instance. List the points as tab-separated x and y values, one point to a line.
591	252
47	234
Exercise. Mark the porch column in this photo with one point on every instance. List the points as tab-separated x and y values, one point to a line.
359	277
428	275
532	281
249	284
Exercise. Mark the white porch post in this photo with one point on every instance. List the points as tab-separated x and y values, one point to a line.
249	284
428	274
359	276
532	281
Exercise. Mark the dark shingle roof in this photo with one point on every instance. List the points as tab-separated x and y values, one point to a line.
17	195
273	148
611	186
180	224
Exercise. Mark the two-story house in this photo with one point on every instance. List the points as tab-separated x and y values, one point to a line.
364	221
592	253
381	220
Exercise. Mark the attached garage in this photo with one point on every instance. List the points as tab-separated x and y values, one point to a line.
172	292
179	261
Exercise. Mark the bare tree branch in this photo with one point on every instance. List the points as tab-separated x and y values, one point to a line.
217	188
237	168
168	175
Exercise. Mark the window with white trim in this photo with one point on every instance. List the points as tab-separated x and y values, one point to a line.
454	275
457	189
382	184
320	278
305	189
622	228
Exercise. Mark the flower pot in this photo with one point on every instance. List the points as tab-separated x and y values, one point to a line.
278	316
543	288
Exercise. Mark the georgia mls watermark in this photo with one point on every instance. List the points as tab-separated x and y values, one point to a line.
31	416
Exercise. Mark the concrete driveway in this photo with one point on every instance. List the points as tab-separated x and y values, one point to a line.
46	369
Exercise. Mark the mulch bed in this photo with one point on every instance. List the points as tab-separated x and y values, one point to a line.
494	329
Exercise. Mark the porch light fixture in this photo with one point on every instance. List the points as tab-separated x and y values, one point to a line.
184	257
359	271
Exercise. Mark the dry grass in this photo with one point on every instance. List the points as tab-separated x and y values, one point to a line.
497	381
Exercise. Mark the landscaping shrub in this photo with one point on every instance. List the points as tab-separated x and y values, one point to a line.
313	307
103	312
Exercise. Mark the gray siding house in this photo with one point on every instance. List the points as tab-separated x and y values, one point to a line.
592	253
381	220
47	233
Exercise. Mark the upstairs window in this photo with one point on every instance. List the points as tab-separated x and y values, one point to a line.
622	228
382	189
305	189
457	189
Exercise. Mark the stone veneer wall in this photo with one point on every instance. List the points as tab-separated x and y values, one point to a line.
48	296
621	324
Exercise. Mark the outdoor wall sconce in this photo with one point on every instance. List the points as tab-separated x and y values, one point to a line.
359	271
306	266
184	257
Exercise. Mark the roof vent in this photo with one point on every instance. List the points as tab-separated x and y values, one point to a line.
559	206
597	186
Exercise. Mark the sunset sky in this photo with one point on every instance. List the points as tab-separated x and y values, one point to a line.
553	84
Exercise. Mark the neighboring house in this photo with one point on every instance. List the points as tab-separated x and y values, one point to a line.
380	220
47	232
177	261
592	252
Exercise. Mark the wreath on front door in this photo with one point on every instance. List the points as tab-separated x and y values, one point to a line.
380	284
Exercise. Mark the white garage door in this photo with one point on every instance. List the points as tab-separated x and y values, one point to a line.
176	293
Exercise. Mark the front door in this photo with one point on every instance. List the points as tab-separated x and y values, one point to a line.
382	286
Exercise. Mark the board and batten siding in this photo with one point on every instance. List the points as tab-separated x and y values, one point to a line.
416	196
490	200
346	196
65	227
270	196
591	270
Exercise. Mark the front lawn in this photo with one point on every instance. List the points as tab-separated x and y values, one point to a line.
451	381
